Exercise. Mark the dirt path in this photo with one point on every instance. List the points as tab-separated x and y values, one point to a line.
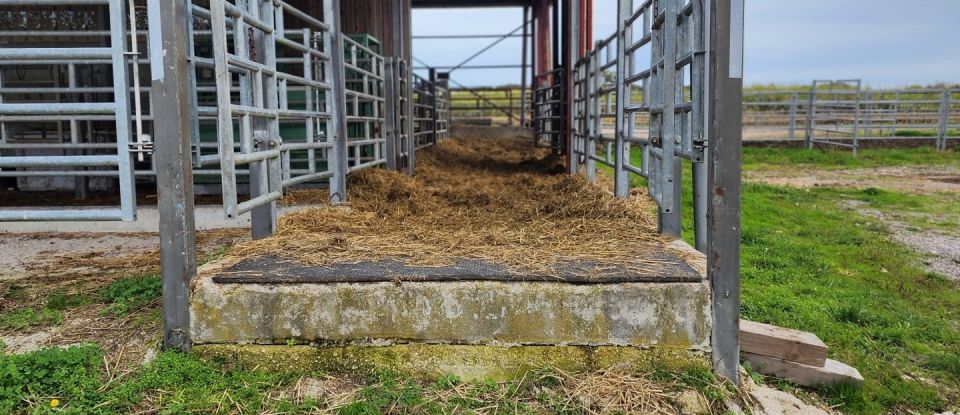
942	247
916	180
38	270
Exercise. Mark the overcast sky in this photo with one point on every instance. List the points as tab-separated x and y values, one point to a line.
884	42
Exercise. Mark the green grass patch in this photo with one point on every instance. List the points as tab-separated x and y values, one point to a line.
811	265
810	262
130	294
174	383
770	158
935	211
22	318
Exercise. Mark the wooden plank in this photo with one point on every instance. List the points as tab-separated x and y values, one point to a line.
832	371
782	343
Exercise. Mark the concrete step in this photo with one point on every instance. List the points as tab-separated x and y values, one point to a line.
673	314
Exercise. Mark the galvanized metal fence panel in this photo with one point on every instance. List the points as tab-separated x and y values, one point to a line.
656	99
882	114
548	105
834	111
80	156
423	96
366	123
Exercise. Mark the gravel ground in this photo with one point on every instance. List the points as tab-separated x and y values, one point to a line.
942	248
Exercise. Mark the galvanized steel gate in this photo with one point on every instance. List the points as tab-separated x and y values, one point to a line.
675	97
90	160
288	97
658	115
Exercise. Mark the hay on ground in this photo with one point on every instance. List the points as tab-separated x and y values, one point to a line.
495	199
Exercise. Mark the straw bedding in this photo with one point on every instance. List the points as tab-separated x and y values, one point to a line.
477	197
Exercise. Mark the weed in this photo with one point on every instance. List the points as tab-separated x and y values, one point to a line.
22	318
69	375
130	294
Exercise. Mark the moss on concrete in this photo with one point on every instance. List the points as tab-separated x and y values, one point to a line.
427	361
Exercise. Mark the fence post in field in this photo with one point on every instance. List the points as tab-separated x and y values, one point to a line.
944	117
793	115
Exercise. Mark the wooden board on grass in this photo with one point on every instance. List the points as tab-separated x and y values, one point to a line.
832	372
782	343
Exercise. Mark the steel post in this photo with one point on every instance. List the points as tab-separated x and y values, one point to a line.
390	106
337	155
621	177
434	92
572	25
523	68
723	177
944	120
793	115
174	164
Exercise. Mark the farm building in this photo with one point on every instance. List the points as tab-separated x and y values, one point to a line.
405	237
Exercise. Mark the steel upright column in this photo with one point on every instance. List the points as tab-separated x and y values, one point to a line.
263	218
337	155
571	54
433	106
174	166
523	68
944	120
390	108
725	135
621	177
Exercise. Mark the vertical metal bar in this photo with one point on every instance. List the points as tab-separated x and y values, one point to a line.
944	118
3	125
390	107
621	177
596	125
263	217
523	68
856	120
434	92
725	123
571	20
218	24
811	110
310	100
698	123
670	207
121	96
793	116
172	114
337	155
411	115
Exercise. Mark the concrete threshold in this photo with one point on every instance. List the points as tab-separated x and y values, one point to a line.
469	362
456	312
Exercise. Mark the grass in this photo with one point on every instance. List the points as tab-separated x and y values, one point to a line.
810	263
763	158
120	297
69	381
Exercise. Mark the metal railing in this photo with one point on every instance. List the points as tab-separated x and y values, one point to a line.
660	100
548	109
882	114
659	84
498	105
98	117
264	104
424	111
